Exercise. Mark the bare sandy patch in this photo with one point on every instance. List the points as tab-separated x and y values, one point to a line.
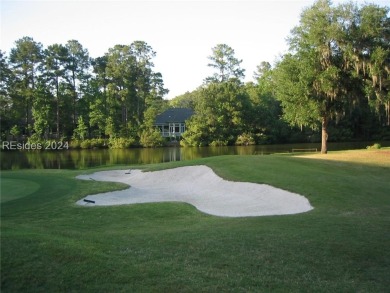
198	186
368	157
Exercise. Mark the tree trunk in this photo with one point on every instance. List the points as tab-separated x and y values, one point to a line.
74	98
324	136
58	108
74	103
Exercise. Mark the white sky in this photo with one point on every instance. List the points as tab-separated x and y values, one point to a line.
181	32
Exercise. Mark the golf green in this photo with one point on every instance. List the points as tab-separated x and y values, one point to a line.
12	189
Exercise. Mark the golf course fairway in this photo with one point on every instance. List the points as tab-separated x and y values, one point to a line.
51	244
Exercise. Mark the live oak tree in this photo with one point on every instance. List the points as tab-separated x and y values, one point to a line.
368	54
300	107
313	73
314	82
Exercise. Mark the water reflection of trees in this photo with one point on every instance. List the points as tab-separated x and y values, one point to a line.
80	159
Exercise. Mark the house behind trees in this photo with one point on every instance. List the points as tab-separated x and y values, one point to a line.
172	122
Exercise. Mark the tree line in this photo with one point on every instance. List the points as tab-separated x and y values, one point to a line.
335	78
61	92
332	85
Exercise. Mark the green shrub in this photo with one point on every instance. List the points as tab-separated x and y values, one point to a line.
85	144
375	146
98	143
74	144
219	142
197	139
88	143
151	138
14	130
245	139
120	142
35	139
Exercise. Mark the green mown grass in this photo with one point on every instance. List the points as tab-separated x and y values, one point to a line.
48	244
16	188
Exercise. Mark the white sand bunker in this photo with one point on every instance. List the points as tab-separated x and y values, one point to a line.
199	186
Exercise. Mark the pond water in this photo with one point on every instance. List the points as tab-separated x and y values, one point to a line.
80	159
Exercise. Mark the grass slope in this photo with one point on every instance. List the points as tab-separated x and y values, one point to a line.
48	244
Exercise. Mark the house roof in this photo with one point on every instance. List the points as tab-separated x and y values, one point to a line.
174	115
